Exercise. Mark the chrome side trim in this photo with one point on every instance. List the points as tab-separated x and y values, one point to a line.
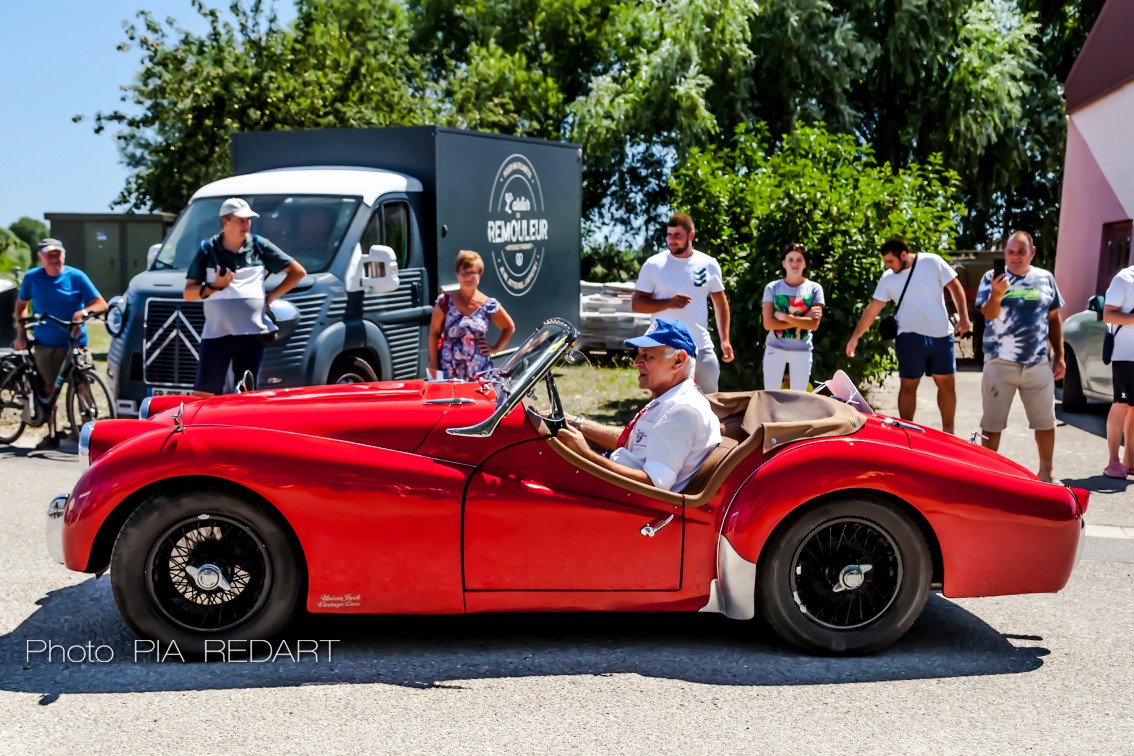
54	528
451	400
733	593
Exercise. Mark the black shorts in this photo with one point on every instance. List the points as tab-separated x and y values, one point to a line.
1123	374
242	352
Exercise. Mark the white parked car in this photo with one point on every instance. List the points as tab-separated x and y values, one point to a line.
1087	376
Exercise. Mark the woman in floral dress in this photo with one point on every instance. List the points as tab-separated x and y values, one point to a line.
458	346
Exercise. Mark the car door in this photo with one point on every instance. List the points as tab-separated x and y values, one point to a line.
533	522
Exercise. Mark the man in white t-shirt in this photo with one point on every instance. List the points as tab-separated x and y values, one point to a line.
1118	313
677	285
670	437
925	333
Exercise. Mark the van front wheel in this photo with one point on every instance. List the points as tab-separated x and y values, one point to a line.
352	370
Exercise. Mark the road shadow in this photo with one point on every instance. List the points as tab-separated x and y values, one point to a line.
1099	484
440	652
1092	419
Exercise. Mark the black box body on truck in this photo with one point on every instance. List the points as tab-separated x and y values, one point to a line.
326	197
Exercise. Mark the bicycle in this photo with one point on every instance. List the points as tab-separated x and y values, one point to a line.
22	403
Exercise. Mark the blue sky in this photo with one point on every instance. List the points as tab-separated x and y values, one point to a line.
59	59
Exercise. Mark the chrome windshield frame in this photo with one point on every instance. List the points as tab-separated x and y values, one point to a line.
557	338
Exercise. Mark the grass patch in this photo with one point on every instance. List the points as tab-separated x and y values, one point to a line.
606	391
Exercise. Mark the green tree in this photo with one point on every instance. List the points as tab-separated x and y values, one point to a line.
829	192
14	253
341	64
29	230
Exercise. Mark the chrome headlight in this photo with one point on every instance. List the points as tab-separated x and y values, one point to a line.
116	316
144	410
85	441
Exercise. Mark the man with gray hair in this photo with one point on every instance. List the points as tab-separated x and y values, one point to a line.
670	437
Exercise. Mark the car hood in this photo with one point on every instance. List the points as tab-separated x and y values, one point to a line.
392	415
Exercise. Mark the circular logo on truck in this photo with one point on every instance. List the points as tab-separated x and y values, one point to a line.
517	224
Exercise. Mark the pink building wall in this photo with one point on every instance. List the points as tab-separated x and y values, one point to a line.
1098	188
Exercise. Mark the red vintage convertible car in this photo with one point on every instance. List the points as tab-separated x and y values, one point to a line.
220	518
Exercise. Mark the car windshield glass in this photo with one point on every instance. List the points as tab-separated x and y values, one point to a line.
521	369
309	228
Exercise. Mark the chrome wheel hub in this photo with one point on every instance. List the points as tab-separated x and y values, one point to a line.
851	577
207	577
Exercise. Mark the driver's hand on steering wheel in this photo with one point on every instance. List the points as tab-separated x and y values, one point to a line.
570	437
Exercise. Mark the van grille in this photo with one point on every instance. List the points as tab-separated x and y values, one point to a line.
171	342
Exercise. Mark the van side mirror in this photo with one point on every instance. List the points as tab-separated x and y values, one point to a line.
1096	304
375	271
151	255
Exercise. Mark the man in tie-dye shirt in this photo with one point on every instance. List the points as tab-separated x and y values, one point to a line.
1023	347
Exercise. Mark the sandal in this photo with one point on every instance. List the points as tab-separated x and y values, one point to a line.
1115	470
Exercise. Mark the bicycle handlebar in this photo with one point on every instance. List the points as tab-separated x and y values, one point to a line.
40	317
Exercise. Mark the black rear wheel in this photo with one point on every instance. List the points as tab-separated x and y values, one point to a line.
88	399
846	577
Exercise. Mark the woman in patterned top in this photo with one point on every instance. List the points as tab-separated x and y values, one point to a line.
457	334
792	308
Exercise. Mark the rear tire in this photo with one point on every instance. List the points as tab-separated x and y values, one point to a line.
204	566
88	401
352	370
845	577
1074	400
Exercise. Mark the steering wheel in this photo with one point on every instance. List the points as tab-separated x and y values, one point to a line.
556	419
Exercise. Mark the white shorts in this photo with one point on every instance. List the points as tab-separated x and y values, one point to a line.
777	360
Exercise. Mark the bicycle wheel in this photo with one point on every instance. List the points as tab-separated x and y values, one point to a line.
88	399
12	401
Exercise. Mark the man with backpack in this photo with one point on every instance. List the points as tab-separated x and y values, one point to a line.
228	274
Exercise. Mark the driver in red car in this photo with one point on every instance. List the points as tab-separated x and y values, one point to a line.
671	436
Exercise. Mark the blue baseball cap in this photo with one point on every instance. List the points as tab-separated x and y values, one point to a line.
670	333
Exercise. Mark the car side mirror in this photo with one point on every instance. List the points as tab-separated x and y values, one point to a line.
375	271
1096	304
151	254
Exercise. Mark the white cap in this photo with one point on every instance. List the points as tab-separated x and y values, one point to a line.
238	207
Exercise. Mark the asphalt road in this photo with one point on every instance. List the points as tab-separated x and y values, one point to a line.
1045	673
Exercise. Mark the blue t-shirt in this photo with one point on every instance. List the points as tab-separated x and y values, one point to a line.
61	296
1019	333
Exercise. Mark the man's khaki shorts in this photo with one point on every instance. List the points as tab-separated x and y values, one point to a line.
48	360
998	386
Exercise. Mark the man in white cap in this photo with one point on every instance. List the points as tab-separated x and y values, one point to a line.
64	292
670	437
228	273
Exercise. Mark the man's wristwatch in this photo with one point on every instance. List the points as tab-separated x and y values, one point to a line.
577	421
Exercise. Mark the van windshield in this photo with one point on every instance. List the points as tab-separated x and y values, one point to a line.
309	228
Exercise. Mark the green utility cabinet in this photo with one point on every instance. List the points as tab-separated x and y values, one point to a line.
109	247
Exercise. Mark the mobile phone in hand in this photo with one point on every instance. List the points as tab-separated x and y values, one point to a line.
998	268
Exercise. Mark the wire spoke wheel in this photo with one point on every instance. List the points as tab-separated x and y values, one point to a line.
846	574
88	399
209	573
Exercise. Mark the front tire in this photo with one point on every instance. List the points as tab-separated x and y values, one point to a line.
352	370
1074	400
88	401
12	402
846	577
204	566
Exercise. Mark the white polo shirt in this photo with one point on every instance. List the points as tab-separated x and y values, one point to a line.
672	437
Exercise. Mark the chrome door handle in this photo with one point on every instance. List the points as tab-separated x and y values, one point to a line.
651	529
